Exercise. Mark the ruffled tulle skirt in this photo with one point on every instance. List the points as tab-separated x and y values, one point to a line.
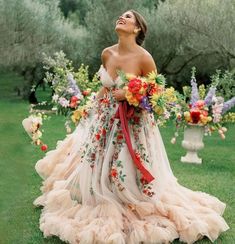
93	193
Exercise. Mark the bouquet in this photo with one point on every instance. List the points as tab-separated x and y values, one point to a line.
32	126
148	94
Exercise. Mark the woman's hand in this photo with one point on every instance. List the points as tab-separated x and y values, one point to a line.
119	94
101	92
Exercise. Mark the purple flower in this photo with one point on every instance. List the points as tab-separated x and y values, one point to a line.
210	95
194	93
145	104
228	105
72	85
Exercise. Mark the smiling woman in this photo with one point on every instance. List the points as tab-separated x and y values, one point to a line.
110	181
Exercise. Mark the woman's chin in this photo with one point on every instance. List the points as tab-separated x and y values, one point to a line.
121	29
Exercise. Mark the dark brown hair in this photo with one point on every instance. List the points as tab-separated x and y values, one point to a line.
141	23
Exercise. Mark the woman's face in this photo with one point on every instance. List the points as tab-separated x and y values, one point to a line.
126	22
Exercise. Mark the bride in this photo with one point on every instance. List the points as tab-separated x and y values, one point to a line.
92	190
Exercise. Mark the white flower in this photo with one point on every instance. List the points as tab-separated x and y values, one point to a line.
36	120
173	140
63	102
70	90
55	97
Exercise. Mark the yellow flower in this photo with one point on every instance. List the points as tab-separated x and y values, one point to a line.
131	100
142	90
155	97
128	95
203	119
170	94
187	117
151	82
152	75
130	76
77	114
158	110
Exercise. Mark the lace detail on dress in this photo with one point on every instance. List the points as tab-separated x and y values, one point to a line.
107	80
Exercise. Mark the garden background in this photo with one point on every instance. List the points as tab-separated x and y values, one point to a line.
181	34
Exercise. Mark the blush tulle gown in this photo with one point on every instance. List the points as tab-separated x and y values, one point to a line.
92	191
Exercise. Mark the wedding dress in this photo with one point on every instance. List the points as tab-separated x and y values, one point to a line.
93	193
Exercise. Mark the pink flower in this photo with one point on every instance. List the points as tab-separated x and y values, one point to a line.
200	104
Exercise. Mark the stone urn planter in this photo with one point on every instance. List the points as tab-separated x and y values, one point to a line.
193	141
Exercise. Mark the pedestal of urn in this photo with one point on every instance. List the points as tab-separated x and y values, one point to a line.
193	141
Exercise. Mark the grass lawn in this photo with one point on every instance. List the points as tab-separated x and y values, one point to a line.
19	184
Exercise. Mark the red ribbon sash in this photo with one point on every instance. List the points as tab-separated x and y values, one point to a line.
123	113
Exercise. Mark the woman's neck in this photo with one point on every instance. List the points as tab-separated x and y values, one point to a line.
126	44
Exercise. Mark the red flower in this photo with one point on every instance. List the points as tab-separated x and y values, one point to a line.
205	113
139	97
44	147
195	115
143	180
200	104
152	91
73	99
73	105
113	173
85	93
103	132
105	101
134	85
120	137
73	102
97	136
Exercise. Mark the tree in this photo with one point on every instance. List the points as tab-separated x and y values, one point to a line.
197	33
31	28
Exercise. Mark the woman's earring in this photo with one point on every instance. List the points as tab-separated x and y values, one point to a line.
136	30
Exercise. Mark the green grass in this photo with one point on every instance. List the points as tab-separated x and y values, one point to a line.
19	183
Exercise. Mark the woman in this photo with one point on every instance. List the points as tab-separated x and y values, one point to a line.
92	189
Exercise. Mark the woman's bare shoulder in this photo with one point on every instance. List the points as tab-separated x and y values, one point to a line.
106	53
147	62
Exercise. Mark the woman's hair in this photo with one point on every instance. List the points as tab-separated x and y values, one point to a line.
141	23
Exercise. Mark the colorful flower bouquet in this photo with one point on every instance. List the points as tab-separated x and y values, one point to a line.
147	93
202	110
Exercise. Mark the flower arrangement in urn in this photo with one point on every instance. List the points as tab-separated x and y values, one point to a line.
206	110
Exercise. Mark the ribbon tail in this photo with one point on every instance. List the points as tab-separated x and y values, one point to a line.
122	110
